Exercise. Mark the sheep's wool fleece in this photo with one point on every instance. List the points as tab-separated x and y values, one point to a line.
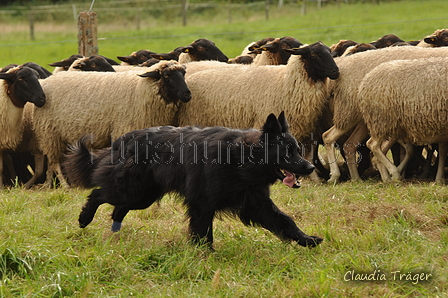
105	105
242	97
352	70
415	111
10	121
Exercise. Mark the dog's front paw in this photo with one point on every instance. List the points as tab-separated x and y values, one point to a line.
310	241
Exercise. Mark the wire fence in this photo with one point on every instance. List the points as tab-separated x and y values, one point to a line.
230	33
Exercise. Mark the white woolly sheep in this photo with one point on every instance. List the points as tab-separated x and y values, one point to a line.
105	105
347	114
242	96
17	86
406	100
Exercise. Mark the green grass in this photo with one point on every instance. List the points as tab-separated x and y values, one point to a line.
362	22
366	226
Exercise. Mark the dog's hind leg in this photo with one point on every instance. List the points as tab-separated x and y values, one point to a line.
144	202
262	211
90	207
117	216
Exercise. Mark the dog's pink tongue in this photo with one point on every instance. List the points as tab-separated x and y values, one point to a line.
289	180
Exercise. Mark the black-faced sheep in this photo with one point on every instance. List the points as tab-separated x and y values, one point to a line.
347	114
136	58
406	100
93	63
17	87
241	96
386	41
339	48
201	49
274	52
361	47
65	64
438	39
105	105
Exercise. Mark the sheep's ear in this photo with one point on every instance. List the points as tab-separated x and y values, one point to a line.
158	56
283	122
430	39
187	49
7	76
271	125
60	64
297	51
151	74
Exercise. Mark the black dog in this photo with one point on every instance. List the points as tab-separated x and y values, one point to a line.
215	169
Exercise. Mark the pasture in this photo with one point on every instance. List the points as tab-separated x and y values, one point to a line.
368	228
380	240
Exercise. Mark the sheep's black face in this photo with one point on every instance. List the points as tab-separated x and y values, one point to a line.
23	86
204	49
318	61
174	85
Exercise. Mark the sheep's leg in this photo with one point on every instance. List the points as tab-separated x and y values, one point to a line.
427	164
329	138
440	176
39	164
351	148
10	165
409	151
375	146
310	154
60	176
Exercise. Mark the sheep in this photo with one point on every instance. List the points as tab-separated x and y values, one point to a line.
250	52
65	64
274	53
105	105
18	86
386	41
136	58
201	49
346	113
339	48
93	63
361	47
438	39
241	96
406	100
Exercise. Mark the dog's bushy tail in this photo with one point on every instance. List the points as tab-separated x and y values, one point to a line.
80	163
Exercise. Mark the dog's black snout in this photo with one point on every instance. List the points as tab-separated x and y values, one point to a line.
309	168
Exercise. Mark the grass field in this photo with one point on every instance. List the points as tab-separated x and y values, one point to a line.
391	232
362	22
395	235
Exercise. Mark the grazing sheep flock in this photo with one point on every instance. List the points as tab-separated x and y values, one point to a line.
350	91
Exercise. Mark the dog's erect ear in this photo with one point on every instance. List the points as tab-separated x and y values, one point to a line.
283	122
271	125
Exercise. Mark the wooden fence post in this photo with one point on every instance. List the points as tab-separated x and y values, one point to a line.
31	21
87	33
184	12
266	9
